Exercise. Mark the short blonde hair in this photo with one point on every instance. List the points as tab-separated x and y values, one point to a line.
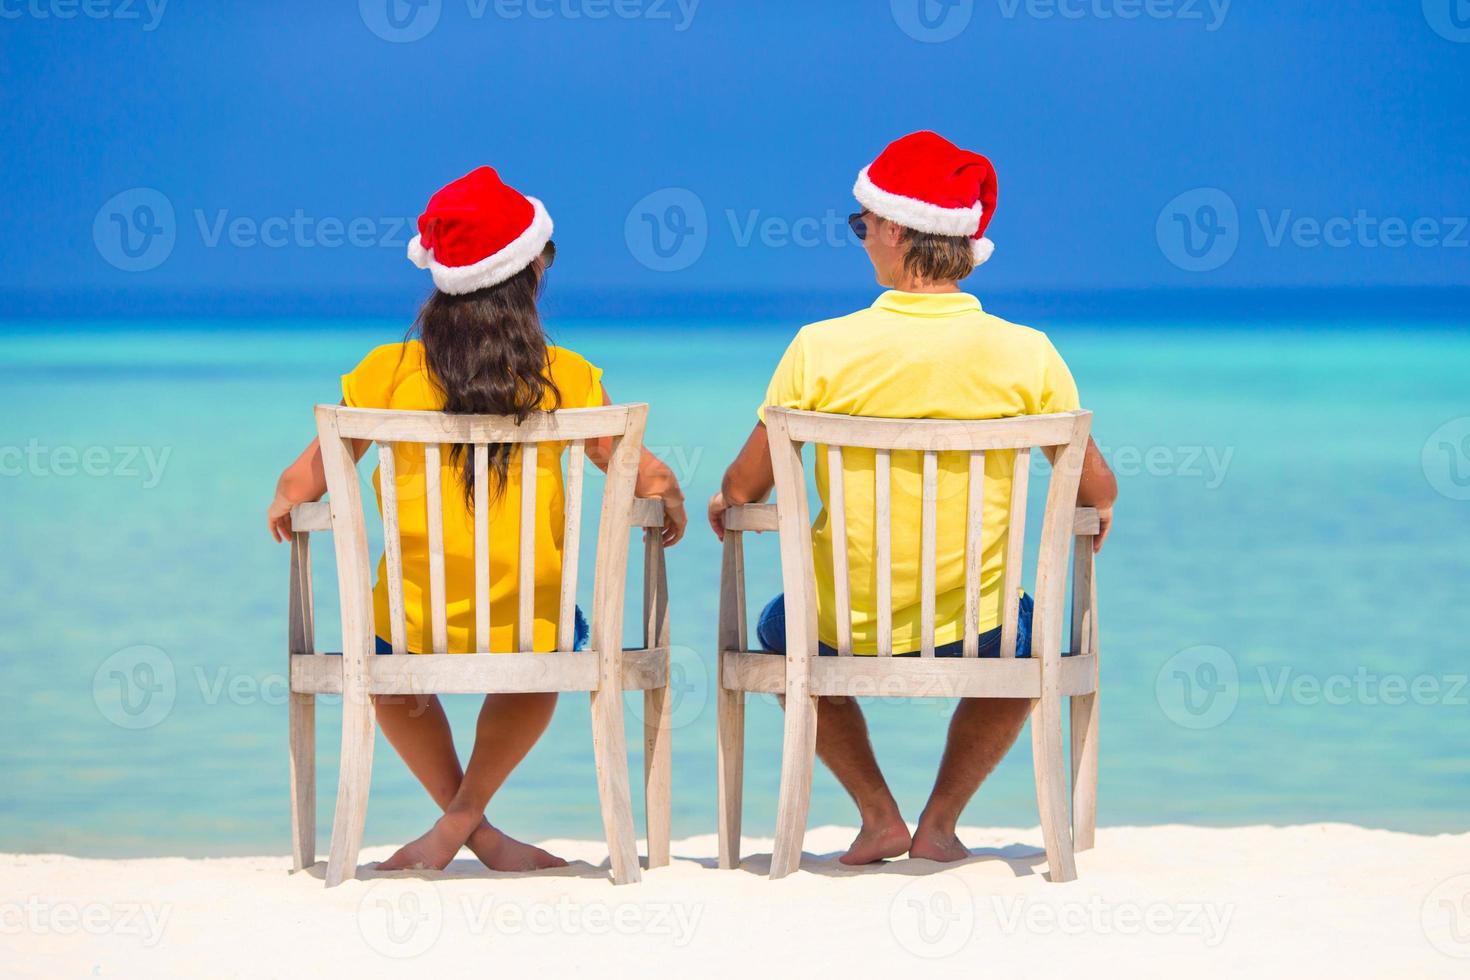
941	258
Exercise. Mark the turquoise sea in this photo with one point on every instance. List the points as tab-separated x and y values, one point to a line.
1286	631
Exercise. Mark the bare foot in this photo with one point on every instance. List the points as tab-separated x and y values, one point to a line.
936	846
433	851
500	852
876	843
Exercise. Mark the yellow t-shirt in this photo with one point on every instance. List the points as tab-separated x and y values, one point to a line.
397	376
911	356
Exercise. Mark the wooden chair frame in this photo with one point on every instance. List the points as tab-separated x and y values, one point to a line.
604	669
801	676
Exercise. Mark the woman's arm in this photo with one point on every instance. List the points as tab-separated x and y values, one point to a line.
655	480
302	482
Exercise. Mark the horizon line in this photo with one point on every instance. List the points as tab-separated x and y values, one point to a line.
746	303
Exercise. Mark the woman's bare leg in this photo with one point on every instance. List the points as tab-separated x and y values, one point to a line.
419	731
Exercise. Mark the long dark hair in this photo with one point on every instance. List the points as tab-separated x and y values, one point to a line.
487	351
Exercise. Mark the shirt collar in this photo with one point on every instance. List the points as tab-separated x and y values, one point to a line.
927	304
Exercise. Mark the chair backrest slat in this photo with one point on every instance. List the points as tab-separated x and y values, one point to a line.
526	591
1010	597
571	547
883	522
434	502
927	520
482	548
392	546
837	517
974	553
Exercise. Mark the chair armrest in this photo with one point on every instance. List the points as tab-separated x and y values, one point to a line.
751	517
1085	523
648	512
306	518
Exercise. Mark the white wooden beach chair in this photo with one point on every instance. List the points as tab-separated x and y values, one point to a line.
1046	677
605	669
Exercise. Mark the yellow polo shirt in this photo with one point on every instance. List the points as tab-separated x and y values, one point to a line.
913	356
397	376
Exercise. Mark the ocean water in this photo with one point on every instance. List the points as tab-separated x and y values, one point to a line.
1286	631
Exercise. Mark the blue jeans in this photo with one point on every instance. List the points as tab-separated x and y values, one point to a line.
580	632
771	631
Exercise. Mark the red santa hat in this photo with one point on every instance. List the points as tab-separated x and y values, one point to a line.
478	232
924	182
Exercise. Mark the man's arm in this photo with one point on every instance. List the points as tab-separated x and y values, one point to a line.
1097	488
748	480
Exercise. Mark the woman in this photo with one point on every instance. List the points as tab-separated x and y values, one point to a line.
480	349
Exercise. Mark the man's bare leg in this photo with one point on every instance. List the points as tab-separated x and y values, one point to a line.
843	745
419	731
981	732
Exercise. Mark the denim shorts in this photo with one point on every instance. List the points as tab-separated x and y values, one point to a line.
580	634
771	631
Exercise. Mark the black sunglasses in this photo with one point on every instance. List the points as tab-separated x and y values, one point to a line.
858	225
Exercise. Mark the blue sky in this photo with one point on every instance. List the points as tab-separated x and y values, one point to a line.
183	148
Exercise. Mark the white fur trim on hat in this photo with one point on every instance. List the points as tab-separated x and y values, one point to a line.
914	213
493	269
982	249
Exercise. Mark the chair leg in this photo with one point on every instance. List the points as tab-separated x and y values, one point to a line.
658	758
353	782
1084	771
1051	786
302	733
798	758
610	749
730	769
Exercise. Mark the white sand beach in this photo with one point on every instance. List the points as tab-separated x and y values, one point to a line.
1306	901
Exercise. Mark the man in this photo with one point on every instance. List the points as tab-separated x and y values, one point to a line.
925	349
